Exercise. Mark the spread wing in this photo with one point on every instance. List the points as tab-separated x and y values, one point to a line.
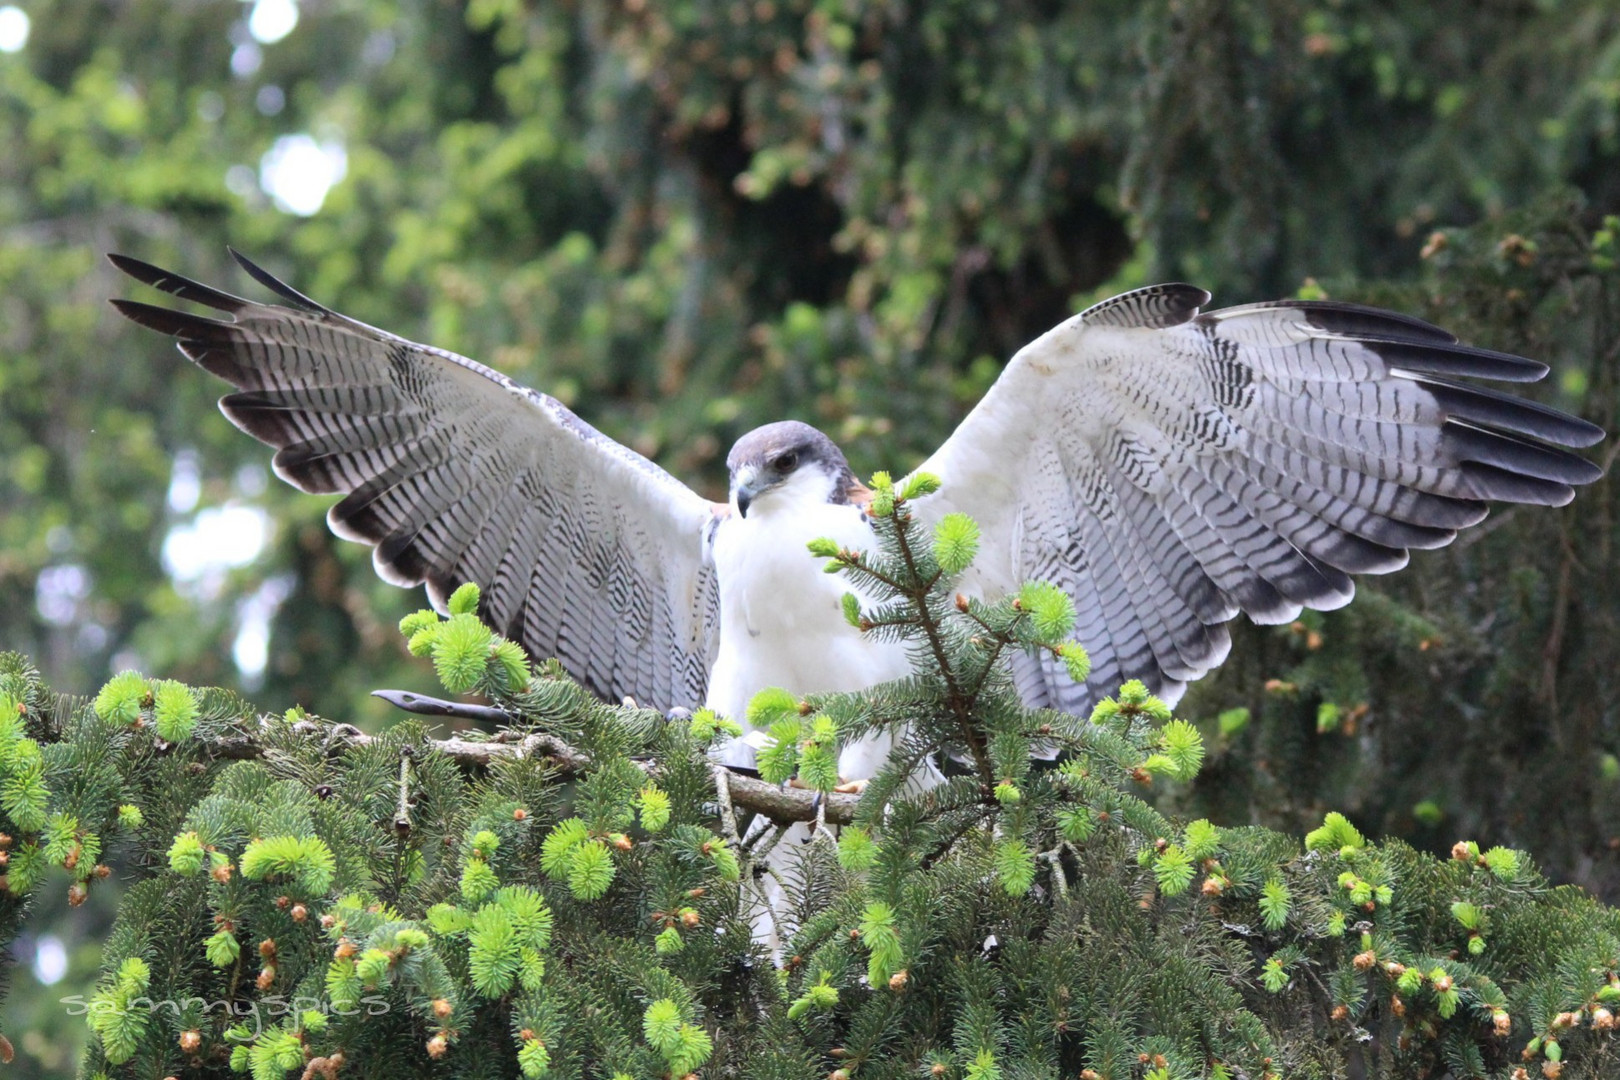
1169	469
584	549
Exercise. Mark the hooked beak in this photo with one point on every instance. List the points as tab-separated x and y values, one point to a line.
747	486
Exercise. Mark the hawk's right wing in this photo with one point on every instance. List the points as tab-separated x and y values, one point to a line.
584	550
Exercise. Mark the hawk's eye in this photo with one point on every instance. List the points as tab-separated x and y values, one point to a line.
786	462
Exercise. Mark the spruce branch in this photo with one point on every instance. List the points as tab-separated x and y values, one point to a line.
748	792
917	590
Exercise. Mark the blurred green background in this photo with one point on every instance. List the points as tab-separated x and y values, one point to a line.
688	217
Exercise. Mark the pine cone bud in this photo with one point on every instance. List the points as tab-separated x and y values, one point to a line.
937	1069
898	980
520	814
1341	1012
328	921
1394	969
441	1008
1396	1005
1442	984
267	948
1089	1074
690	918
1365	960
1459	851
77	894
1211	887
190	1040
621	841
1602	1019
267	977
283	902
437	1046
299	913
1552	1070
345	949
222	873
102	870
1501	1023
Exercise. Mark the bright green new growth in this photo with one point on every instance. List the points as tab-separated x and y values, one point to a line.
1049	609
1201	839
1076	661
120	701
772	705
174	710
186	854
590	871
466	654
1173	870
464	601
303	861
1274	904
683	1046
956	542
882	943
1015	866
850	604
1335	834
856	851
222	948
460	651
919	484
653	807
118	1022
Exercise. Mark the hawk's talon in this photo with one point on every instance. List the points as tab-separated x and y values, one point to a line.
851	787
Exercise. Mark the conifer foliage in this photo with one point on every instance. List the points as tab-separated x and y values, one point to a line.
576	894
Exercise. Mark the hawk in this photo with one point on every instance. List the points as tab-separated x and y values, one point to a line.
1166	467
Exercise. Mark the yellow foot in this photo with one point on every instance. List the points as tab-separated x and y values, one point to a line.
851	787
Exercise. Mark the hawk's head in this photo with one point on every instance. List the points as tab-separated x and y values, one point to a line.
781	464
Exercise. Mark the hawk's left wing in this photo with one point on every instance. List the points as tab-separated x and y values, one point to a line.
1169	469
584	549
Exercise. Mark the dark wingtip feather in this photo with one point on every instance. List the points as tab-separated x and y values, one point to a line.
1520	456
1479	405
276	285
1437	358
1358	321
175	284
178	324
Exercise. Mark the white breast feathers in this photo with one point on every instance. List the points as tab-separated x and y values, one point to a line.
781	622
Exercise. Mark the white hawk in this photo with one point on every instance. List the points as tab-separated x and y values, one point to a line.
1166	468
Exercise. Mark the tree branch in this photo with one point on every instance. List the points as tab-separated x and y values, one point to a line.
747	792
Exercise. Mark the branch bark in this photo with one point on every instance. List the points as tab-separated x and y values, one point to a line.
747	792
